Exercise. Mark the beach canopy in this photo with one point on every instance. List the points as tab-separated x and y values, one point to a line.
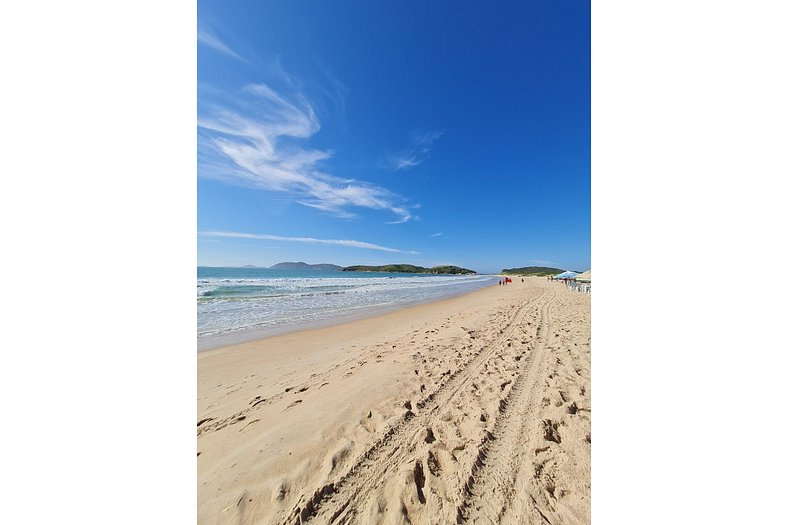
584	277
565	275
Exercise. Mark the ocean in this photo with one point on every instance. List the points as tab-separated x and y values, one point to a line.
241	304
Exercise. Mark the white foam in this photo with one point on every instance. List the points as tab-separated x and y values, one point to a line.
289	302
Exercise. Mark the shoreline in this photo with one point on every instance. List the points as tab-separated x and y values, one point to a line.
251	335
389	413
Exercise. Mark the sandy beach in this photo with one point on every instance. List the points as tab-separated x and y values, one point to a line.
473	409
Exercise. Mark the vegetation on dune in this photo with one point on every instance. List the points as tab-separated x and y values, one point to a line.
410	268
538	271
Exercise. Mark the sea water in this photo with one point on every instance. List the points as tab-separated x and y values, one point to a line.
241	304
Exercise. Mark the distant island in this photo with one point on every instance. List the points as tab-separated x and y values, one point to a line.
538	271
304	266
409	268
388	268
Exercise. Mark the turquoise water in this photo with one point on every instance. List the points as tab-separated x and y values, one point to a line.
239	304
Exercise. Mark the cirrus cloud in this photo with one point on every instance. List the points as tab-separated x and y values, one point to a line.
207	36
309	240
418	152
260	143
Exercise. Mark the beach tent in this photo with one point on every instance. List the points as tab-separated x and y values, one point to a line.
565	275
584	277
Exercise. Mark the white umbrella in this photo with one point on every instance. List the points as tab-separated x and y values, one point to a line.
584	277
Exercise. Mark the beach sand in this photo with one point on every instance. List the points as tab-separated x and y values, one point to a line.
472	409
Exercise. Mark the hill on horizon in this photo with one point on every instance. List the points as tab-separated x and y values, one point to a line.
538	271
410	268
304	266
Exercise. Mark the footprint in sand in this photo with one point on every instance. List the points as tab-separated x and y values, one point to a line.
433	464
430	437
294	403
551	431
418	478
249	423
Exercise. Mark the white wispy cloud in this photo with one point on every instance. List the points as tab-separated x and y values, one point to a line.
208	36
308	240
262	140
418	152
436	234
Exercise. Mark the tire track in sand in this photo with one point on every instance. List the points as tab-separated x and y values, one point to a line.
490	489
336	502
213	424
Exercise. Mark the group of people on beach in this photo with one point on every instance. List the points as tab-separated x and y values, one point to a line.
574	285
506	280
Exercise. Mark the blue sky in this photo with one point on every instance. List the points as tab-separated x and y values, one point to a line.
385	132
